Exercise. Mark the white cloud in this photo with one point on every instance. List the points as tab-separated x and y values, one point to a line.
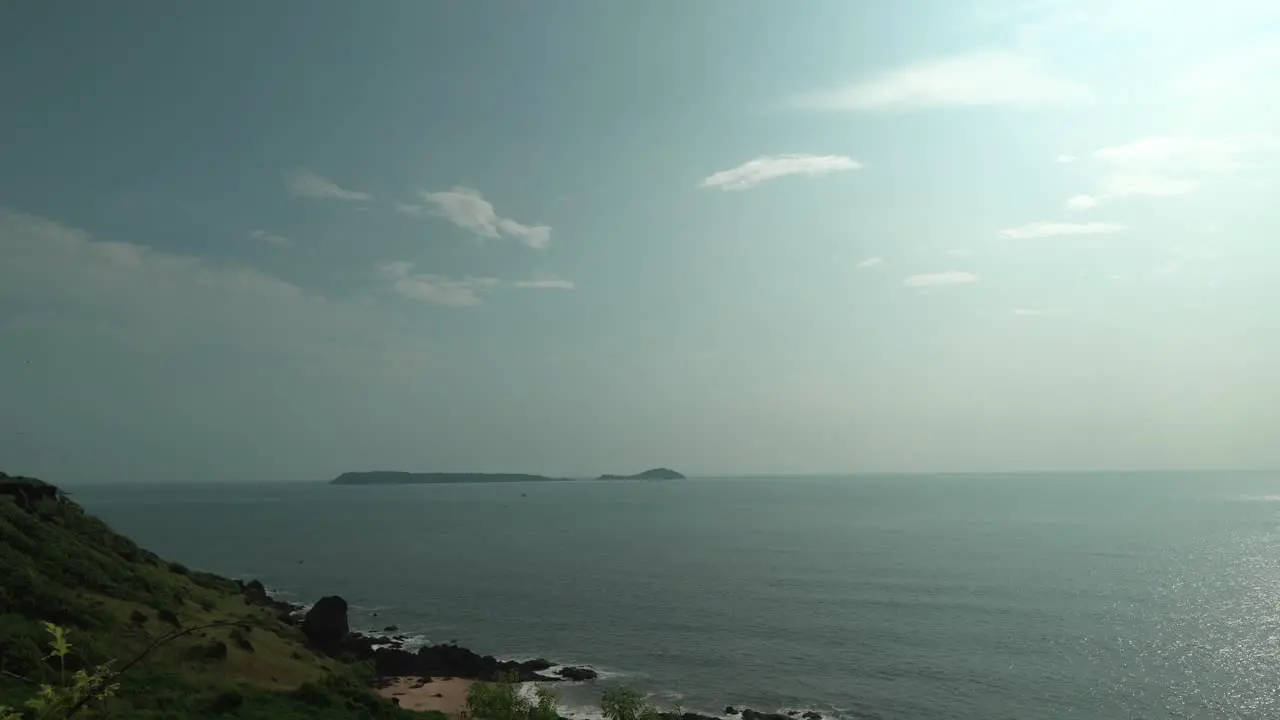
468	209
950	277
130	293
454	292
1167	166
1065	158
310	185
1185	153
960	252
871	262
771	167
1048	228
1082	202
1238	74
269	238
435	289
981	78
1037	312
549	283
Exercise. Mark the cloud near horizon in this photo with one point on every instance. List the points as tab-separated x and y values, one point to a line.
772	167
979	78
269	238
454	292
871	262
950	277
1048	228
310	185
468	209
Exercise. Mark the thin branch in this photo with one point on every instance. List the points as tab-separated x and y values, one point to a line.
19	677
169	637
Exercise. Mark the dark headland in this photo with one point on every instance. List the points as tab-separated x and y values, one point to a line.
654	474
176	642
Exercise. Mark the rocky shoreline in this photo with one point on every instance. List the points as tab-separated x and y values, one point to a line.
326	628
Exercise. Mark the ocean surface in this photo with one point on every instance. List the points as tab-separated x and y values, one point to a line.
974	597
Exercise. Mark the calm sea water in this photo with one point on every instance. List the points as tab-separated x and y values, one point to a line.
1038	596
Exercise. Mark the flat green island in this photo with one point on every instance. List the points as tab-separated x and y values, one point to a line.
397	477
393	477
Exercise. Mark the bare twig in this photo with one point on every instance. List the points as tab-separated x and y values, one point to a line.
168	637
19	677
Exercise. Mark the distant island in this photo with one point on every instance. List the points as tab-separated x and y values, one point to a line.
398	477
393	477
654	474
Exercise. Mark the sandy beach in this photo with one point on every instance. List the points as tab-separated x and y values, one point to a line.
446	696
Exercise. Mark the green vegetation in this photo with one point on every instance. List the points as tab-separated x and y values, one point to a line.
626	704
88	620
502	701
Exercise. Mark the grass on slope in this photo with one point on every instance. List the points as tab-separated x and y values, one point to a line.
62	565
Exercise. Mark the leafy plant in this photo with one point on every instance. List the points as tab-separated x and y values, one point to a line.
502	701
626	704
65	699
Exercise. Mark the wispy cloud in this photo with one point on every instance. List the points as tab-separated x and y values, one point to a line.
981	78
1048	228
133	294
435	289
310	185
1236	74
771	167
468	209
550	283
269	238
403	280
950	277
871	262
1082	202
960	252
1065	158
1167	166
1037	312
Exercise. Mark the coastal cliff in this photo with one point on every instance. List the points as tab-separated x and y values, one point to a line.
179	643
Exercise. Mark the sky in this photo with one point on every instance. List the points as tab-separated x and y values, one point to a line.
278	241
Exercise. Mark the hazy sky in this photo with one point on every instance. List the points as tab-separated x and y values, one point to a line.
276	240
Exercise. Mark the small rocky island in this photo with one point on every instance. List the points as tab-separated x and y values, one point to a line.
654	474
394	477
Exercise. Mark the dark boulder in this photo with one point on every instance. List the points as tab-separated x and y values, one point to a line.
577	673
391	628
812	715
241	640
168	616
255	593
216	650
325	624
731	710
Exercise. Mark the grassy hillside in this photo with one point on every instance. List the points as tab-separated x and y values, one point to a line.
59	564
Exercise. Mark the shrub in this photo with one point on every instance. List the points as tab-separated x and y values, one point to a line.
502	701
626	704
